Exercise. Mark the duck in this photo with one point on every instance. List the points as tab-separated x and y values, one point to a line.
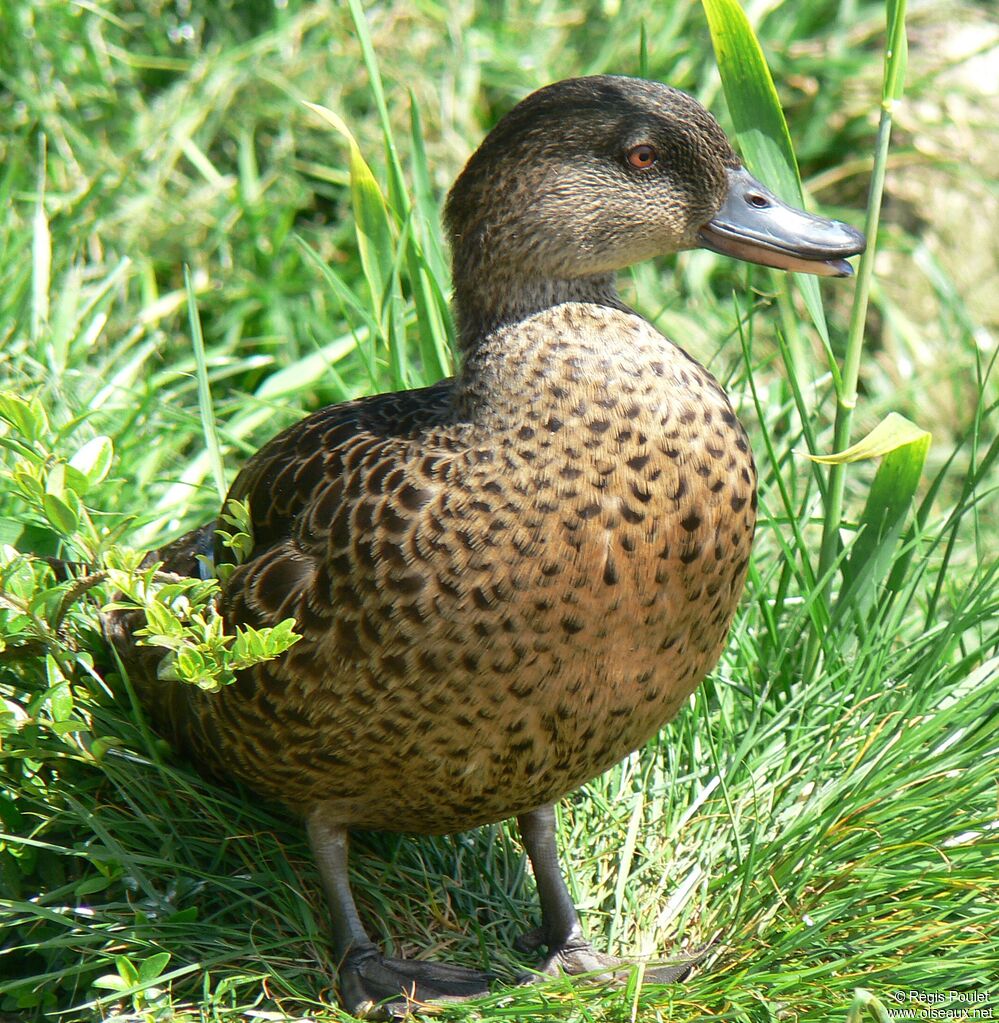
507	581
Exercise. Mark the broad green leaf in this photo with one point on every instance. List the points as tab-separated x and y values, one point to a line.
152	967
759	120
53	673
74	480
111	982
55	481
16	576
63	515
24	477
902	447
894	431
190	665
26	417
255	645
94	459
10	532
127	970
161	622
67	726
60	696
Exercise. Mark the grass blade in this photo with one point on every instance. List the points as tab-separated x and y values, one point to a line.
759	120
213	446
846	399
41	255
902	447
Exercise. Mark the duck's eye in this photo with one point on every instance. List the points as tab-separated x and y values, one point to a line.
642	157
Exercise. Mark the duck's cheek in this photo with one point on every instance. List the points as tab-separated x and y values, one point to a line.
664	233
620	244
568	235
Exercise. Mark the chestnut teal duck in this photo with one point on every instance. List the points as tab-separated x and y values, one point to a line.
509	580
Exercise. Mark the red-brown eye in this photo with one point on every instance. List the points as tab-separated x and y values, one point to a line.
642	157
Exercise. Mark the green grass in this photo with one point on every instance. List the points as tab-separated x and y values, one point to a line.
825	811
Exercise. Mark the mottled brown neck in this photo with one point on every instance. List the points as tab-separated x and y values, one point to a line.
490	298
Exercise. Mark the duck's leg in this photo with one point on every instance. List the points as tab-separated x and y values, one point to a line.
372	984
568	950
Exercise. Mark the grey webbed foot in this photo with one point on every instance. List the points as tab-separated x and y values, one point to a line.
568	951
373	986
577	956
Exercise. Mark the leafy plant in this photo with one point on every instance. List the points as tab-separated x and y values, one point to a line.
182	618
237	515
139	982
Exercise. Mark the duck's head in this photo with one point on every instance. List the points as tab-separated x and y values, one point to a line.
589	175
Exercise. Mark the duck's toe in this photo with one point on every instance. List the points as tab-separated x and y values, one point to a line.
373	986
574	957
580	957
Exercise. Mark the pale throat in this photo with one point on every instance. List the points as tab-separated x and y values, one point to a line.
484	302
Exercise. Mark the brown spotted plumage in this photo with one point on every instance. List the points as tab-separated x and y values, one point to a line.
511	579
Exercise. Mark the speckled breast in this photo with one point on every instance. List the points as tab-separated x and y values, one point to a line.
500	605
